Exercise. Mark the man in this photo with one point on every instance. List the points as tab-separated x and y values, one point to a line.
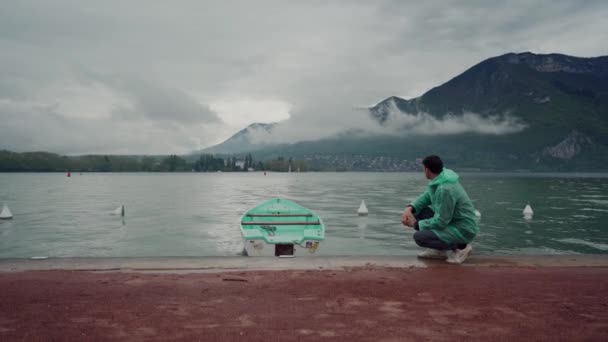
443	215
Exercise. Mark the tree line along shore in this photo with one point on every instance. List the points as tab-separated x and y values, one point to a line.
51	162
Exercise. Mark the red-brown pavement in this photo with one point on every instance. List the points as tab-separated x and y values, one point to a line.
357	304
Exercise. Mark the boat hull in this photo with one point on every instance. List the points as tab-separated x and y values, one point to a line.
281	228
260	248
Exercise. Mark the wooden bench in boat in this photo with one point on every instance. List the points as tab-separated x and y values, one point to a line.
279	215
281	223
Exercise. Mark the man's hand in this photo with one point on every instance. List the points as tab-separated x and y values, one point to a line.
410	221
408	218
404	216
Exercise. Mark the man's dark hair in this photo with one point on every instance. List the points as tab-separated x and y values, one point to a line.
433	163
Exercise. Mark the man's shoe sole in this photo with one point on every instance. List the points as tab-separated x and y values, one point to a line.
466	256
435	257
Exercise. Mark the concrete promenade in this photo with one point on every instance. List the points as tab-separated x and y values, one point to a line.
223	264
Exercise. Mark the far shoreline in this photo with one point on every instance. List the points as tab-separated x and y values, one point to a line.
581	174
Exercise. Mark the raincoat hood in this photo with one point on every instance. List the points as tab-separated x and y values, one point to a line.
445	177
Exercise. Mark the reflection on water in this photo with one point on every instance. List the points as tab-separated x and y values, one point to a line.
198	214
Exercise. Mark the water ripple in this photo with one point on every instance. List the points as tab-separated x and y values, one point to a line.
193	214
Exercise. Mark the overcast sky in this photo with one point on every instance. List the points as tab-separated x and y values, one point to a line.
175	76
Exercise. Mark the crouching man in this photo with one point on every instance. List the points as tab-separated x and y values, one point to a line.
443	216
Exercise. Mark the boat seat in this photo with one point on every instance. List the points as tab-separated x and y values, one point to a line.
281	223
279	215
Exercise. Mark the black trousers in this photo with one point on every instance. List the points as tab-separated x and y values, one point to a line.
428	239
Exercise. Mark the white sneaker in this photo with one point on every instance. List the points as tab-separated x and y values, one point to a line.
429	253
460	255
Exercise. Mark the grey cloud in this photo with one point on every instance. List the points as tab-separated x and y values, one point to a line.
400	123
156	102
329	121
53	132
57	22
11	89
151	100
168	60
425	124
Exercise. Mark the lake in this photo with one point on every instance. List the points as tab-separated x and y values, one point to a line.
197	214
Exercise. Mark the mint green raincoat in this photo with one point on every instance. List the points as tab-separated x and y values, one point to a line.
454	219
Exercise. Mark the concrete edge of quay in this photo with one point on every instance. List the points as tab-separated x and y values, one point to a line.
239	264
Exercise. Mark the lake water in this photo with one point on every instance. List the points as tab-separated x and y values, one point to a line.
197	214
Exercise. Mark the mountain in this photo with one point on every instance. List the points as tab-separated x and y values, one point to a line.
250	138
519	111
556	92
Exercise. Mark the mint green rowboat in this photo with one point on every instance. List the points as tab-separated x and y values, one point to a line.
280	227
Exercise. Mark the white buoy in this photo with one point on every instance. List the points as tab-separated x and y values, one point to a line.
362	211
119	211
477	214
528	212
6	213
